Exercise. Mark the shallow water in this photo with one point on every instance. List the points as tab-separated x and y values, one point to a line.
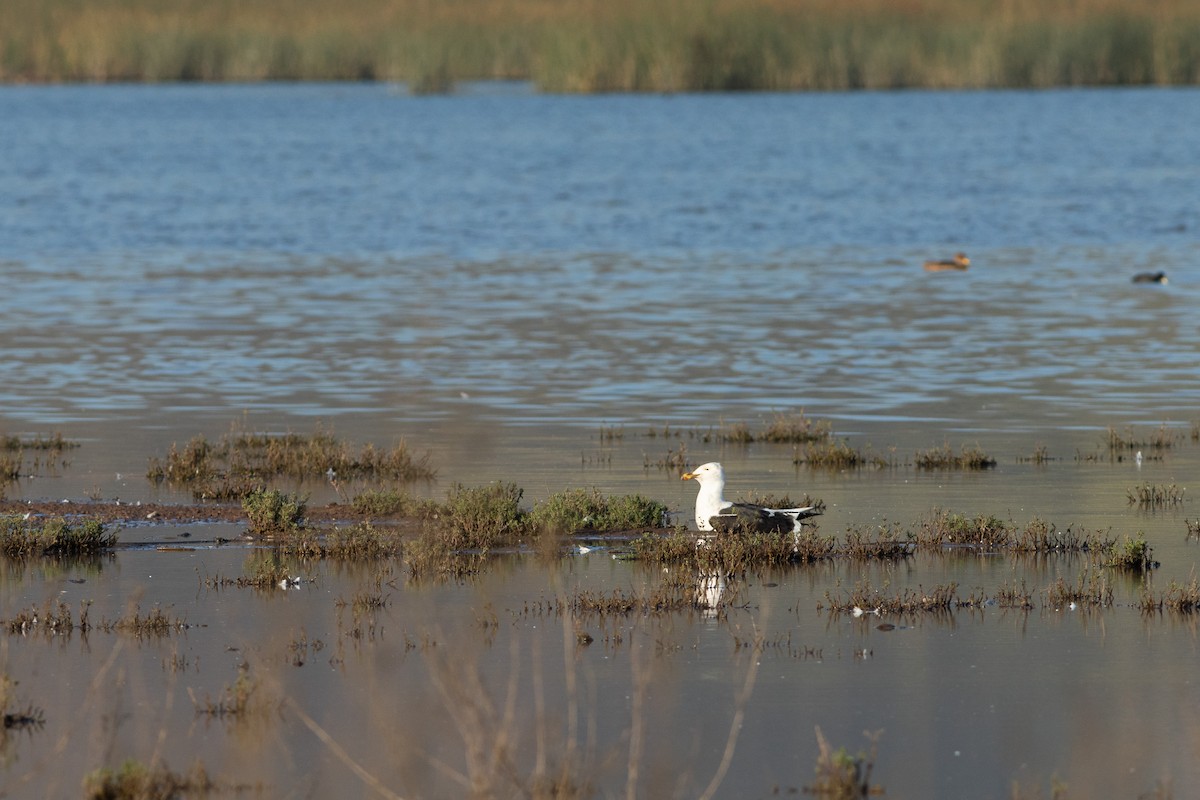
494	277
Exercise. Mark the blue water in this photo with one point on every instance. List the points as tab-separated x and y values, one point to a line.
365	172
350	251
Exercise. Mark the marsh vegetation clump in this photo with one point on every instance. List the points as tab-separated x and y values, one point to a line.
1164	437
574	510
1156	494
52	619
239	700
1133	555
944	457
842	776
666	598
363	542
1090	590
988	533
733	552
838	454
242	459
982	532
1041	455
675	460
272	512
155	624
22	538
1182	598
866	598
1017	597
387	503
55	441
481	516
136	781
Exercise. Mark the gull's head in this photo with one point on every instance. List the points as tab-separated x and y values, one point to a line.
706	473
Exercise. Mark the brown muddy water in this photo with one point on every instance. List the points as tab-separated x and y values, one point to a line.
525	287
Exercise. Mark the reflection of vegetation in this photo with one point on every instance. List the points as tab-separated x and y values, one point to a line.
624	45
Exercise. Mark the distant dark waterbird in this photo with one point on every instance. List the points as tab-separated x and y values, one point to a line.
959	262
1150	277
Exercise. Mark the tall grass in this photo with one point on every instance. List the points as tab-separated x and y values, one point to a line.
620	45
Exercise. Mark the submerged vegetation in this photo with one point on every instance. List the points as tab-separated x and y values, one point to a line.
618	46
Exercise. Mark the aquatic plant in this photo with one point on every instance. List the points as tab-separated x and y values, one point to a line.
481	516
796	428
970	457
241	457
842	776
983	532
573	510
154	624
237	700
1134	555
674	460
1090	590
1010	596
838	454
1041	455
22	538
136	781
385	502
866	598
1162	438
363	542
1155	495
273	512
55	441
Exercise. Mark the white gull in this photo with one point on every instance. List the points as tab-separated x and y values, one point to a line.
715	513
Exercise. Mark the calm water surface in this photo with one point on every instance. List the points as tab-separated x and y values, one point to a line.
496	275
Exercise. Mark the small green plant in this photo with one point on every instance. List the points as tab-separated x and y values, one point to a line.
273	512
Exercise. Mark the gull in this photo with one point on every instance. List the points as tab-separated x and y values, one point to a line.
714	512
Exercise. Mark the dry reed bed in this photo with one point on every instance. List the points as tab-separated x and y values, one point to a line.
588	46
